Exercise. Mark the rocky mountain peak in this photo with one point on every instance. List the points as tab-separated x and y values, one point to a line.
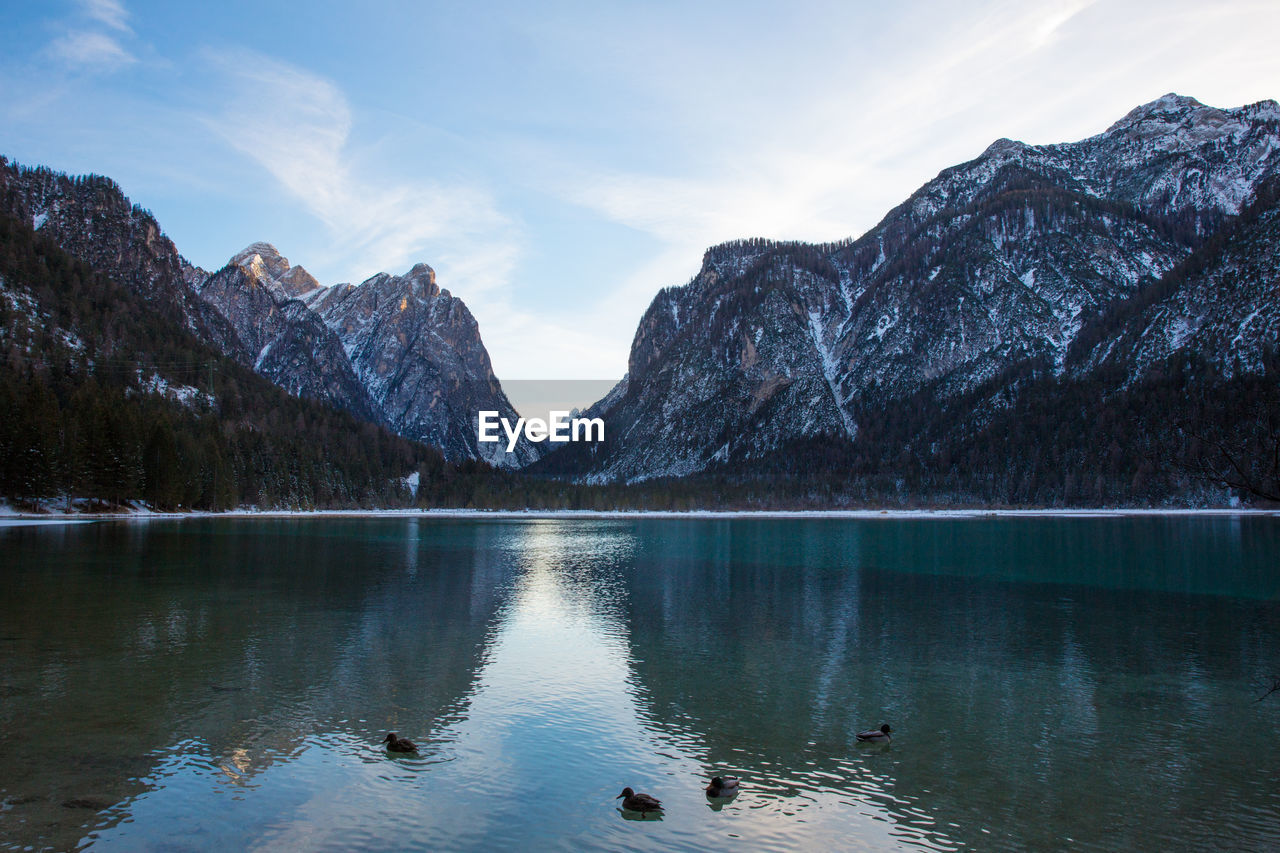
298	282
261	259
1170	102
1168	114
1267	110
1167	109
419	283
1005	149
423	276
418	352
263	263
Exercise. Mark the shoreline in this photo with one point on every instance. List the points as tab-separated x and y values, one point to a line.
20	519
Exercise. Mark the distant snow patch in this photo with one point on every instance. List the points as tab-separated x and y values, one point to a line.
1244	325
1180	331
186	395
883	325
830	370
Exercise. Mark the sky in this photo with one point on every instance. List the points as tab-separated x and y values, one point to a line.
558	163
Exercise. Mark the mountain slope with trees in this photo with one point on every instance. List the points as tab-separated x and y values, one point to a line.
1034	326
396	351
103	395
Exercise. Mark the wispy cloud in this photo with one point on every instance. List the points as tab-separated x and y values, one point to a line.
85	45
90	50
297	126
826	161
111	13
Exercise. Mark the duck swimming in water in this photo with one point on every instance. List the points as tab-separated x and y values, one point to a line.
631	801
880	735
399	744
722	787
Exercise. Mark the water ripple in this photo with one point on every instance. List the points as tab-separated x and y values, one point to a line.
541	666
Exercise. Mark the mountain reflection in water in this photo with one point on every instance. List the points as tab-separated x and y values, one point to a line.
225	683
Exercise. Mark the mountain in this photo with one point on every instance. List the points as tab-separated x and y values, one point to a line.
90	218
395	350
106	400
986	273
260	295
417	350
1084	323
107	397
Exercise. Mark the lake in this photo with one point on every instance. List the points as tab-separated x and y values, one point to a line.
224	683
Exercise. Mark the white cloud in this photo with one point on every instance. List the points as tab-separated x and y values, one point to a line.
112	13
90	50
85	46
297	126
816	165
819	142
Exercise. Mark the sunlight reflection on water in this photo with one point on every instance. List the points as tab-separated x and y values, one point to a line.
543	665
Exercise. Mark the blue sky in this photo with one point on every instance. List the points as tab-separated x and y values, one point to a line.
559	163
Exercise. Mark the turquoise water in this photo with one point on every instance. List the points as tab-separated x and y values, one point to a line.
1083	683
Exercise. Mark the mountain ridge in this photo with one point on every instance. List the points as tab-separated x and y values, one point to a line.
263	312
995	264
1029	278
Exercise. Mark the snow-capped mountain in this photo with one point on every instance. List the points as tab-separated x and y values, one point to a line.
996	263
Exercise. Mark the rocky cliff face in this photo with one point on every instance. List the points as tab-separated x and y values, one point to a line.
258	292
1221	307
995	263
396	350
417	351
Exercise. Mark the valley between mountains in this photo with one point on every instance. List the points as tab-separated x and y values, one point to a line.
1086	323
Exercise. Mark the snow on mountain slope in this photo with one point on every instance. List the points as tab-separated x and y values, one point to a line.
394	349
417	350
996	263
422	380
290	344
1223	309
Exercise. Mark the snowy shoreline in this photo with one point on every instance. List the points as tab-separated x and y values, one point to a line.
11	518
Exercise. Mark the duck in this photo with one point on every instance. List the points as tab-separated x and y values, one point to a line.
631	801
399	744
880	735
722	786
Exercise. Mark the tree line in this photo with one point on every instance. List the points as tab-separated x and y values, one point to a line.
104	399
84	368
